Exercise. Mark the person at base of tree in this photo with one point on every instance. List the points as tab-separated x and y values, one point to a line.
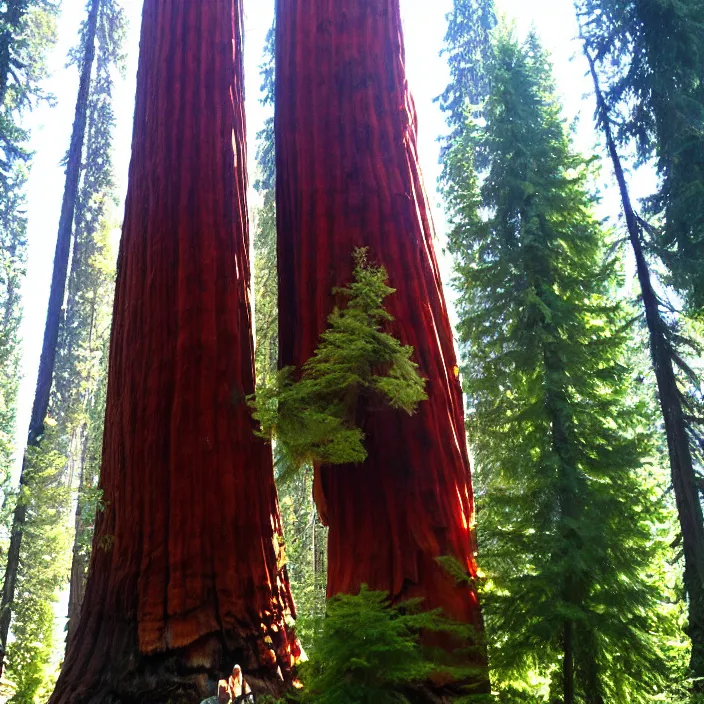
235	689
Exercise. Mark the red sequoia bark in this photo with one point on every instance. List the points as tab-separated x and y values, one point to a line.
348	176
186	575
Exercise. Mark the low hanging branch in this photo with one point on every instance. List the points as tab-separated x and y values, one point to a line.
356	366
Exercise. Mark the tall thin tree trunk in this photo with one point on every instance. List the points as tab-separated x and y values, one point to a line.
187	573
684	479
589	669
51	329
348	176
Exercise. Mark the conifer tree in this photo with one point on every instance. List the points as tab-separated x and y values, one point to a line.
678	384
43	570
348	176
12	261
651	65
77	402
468	51
356	369
27	30
264	237
371	651
82	331
23	92
569	515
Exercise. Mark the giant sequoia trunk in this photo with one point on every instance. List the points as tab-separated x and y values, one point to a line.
186	574
348	176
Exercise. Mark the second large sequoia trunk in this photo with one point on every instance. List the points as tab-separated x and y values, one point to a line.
187	574
348	176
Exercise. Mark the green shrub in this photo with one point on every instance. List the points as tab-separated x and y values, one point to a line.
370	652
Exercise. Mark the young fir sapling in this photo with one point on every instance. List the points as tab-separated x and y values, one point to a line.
314	416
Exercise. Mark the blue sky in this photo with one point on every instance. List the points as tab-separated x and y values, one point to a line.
424	24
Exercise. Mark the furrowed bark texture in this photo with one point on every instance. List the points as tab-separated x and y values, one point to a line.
348	176
186	574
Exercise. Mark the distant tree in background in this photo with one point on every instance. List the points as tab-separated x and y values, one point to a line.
572	526
27	31
264	234
79	383
32	664
468	50
13	244
40	525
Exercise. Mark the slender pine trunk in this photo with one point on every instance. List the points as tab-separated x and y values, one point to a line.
51	329
588	668
568	514
555	401
684	479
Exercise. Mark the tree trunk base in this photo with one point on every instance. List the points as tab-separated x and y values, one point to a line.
186	676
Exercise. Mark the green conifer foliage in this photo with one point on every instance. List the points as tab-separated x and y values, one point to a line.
370	652
650	55
13	245
357	364
44	567
27	31
265	289
468	51
572	530
306	550
68	458
672	342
